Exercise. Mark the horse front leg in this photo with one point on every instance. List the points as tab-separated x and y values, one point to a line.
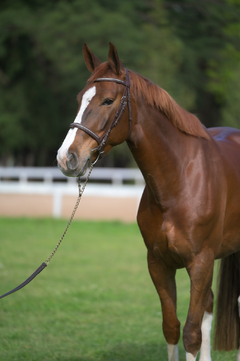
164	281
201	272
205	354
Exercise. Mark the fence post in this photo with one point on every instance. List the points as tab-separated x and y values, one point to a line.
57	203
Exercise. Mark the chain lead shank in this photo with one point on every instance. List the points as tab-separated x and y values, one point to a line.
46	263
80	193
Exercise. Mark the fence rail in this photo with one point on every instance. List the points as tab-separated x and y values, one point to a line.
115	176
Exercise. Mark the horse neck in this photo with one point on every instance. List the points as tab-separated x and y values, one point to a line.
160	150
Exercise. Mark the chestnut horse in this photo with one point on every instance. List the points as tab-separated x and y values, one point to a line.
189	214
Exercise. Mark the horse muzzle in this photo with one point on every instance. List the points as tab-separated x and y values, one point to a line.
70	165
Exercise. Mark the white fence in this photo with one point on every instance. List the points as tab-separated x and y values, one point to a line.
49	175
115	183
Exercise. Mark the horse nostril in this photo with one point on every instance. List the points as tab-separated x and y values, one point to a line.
72	161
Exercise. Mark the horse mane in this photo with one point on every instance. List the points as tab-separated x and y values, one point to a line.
160	99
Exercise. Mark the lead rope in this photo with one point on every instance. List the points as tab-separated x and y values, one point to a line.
80	190
46	263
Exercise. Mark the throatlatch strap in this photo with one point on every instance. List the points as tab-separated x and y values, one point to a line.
29	279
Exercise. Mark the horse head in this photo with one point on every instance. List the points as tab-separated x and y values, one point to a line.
101	105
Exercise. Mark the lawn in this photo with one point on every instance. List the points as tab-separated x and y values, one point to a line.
94	302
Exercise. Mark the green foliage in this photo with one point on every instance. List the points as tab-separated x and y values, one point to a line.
209	31
190	48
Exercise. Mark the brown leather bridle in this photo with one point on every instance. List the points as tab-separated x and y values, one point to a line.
126	99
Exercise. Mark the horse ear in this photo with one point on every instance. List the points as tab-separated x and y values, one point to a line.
114	60
91	60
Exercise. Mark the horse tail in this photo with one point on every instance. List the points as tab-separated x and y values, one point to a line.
227	325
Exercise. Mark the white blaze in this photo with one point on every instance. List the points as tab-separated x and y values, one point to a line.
70	137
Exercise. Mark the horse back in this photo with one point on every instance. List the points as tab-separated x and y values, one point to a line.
228	143
225	134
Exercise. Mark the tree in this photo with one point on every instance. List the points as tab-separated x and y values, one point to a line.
210	33
189	48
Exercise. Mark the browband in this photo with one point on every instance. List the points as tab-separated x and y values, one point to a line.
119	81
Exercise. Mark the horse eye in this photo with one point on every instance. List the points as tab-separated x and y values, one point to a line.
107	102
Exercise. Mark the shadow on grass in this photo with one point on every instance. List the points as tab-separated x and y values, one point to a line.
126	352
145	352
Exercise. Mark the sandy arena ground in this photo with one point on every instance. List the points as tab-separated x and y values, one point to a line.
91	207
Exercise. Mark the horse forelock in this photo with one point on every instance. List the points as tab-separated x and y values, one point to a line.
99	72
157	97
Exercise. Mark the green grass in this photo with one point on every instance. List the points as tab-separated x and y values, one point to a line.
94	302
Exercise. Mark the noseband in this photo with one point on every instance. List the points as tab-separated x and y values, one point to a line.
126	99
